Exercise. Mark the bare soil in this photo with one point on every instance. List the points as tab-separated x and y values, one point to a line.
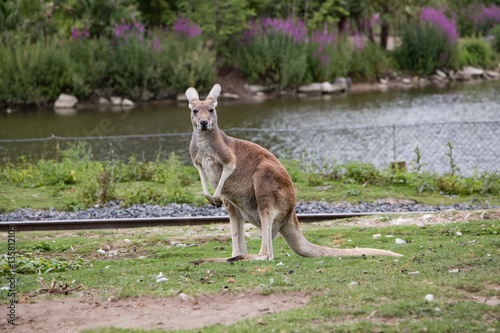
75	314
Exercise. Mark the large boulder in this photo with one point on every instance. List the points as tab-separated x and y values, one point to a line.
116	100
127	102
328	88
65	101
311	88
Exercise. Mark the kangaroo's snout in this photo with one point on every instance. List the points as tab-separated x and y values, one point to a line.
204	124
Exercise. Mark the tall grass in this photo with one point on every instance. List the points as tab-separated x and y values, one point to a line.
134	64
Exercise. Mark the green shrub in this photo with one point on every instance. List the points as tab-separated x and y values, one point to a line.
327	61
474	52
424	49
273	59
370	62
33	73
360	172
495	43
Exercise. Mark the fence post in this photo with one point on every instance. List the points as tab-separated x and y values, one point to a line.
394	141
54	147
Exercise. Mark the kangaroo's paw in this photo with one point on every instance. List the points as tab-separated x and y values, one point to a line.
212	260
216	201
248	257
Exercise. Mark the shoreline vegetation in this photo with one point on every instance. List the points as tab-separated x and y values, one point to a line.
76	182
131	54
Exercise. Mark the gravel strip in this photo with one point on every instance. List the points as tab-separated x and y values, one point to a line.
113	210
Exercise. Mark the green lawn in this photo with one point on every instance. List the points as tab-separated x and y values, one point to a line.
346	292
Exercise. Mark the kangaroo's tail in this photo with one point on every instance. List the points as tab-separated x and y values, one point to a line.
300	245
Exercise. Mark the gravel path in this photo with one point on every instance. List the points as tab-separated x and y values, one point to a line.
113	210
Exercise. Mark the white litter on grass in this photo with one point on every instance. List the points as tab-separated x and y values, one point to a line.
413	273
280	264
180	245
376	235
4	288
101	251
426	217
271	280
458	233
399	241
429	298
388	236
454	270
353	283
127	240
142	257
161	278
107	267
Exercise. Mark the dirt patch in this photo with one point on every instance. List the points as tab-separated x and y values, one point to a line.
170	313
444	217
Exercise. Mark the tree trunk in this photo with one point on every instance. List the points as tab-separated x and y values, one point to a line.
384	35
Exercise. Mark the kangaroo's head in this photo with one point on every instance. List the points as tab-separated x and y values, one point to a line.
203	114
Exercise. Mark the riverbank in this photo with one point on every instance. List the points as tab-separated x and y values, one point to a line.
237	89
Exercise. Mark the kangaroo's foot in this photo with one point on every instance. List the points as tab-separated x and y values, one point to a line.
211	260
248	257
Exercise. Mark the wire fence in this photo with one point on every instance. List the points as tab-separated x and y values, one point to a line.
476	145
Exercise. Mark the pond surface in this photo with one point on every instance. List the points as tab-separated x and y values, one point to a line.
374	127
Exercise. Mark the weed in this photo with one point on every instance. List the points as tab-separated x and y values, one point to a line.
353	193
27	264
45	246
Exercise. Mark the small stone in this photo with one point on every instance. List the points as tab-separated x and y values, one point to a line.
429	298
112	299
230	96
399	241
183	297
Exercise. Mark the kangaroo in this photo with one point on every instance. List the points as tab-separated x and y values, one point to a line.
255	187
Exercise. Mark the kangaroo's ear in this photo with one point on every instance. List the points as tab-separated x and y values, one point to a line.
192	96
214	93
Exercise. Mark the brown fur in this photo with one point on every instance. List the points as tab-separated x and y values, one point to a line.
255	185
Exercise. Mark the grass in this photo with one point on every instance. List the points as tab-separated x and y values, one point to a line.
382	284
76	182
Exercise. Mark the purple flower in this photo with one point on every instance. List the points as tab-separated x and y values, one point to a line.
438	18
187	29
295	30
484	17
77	34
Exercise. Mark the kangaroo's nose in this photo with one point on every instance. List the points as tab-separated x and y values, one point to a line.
204	123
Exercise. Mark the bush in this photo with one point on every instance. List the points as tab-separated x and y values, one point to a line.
327	57
33	73
130	64
273	52
370	62
475	52
424	49
495	43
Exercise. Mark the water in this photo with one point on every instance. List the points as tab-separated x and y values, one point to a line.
375	127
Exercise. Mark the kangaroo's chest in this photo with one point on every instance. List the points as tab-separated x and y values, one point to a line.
211	167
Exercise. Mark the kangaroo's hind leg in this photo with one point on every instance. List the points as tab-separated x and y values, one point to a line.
237	223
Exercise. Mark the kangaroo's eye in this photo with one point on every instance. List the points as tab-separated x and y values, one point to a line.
195	111
210	110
